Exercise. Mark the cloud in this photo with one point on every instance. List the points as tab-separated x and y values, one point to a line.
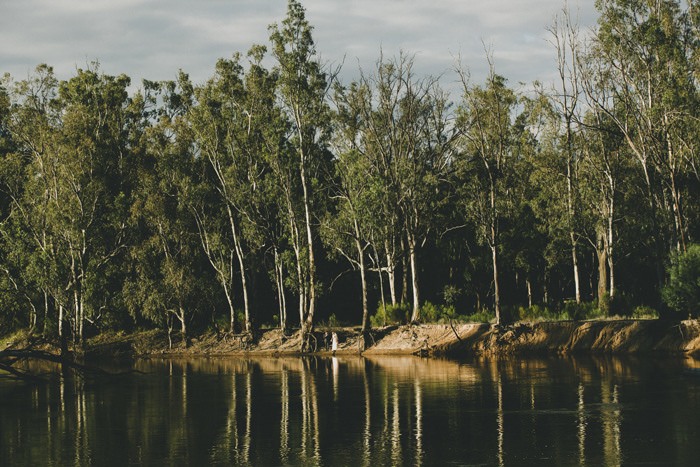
154	38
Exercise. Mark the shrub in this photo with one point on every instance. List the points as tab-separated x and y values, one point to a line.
537	313
481	316
429	313
645	312
390	315
682	293
580	311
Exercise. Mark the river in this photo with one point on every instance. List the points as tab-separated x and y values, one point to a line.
359	412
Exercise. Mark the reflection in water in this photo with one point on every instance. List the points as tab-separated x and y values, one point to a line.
350	410
419	422
284	420
581	422
367	431
395	428
501	431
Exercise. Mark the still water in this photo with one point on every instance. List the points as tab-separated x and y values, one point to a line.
360	412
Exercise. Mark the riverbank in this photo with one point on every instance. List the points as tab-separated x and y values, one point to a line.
613	336
564	337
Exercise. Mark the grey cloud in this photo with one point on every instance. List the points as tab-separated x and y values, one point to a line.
154	38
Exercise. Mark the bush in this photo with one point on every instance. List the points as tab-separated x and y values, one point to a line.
429	313
390	315
481	316
537	313
580	311
682	293
644	312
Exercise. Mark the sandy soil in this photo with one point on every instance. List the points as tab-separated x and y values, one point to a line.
616	336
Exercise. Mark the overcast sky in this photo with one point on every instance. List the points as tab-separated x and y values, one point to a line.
152	39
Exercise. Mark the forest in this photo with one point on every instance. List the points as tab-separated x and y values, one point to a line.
275	195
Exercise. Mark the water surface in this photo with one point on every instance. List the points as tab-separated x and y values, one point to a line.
354	411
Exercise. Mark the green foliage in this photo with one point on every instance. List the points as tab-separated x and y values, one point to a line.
682	293
482	316
580	311
390	315
164	206
536	313
645	312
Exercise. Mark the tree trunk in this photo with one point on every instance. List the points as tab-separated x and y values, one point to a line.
279	279
415	316
183	324
241	265
602	255
496	292
365	309
574	261
60	321
309	322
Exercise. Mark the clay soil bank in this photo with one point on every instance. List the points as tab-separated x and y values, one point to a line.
459	340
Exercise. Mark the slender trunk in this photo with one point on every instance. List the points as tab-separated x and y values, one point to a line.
231	310
574	260
602	254
237	243
609	245
183	324
404	278
46	312
414	277
391	272
496	292
301	284
365	309
77	329
381	281
529	292
279	279
309	322
60	321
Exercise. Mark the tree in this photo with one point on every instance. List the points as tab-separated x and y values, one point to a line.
303	87
90	202
682	293
167	280
348	228
640	73
486	162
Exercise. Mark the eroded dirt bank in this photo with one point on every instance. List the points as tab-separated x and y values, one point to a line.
618	336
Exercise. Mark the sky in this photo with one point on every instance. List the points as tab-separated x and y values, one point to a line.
153	39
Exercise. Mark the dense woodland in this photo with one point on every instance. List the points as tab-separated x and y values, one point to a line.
274	194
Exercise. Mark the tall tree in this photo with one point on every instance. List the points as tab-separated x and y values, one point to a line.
640	73
303	87
485	120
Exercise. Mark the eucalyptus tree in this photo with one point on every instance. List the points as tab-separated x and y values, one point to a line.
73	141
404	136
165	284
488	151
566	97
603	167
640	73
90	205
30	122
348	229
222	123
302	87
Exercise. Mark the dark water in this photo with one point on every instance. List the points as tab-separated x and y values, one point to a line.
357	412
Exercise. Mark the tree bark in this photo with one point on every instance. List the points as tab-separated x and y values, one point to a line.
415	316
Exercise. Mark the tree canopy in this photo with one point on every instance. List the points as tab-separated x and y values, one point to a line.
274	185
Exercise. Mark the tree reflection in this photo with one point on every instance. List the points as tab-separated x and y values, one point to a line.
335	411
